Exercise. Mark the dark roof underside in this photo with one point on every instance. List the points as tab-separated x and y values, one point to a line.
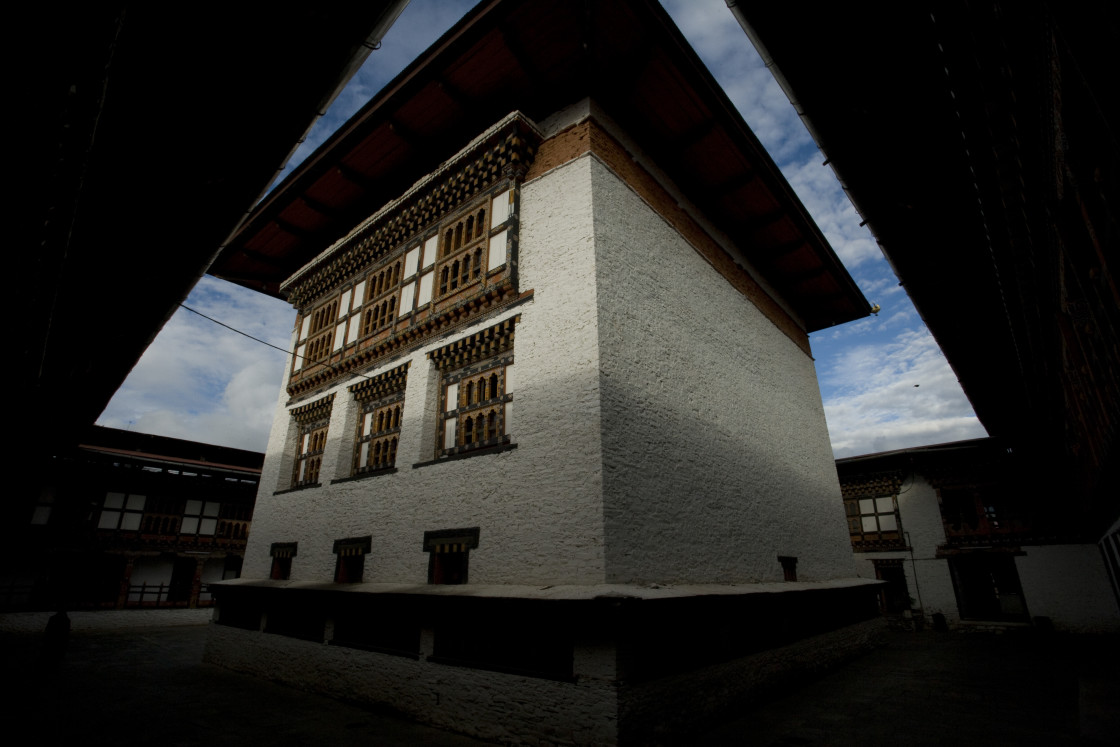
537	57
150	132
980	143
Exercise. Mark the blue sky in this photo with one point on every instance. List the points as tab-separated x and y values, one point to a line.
884	381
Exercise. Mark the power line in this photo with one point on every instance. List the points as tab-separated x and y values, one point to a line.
257	339
234	329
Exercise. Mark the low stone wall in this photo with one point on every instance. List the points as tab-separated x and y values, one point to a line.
668	707
590	668
507	708
31	622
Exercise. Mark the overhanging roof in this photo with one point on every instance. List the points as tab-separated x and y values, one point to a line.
150	131
980	143
536	57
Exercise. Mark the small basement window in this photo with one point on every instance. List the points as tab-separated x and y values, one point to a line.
282	554
351	561
448	554
789	567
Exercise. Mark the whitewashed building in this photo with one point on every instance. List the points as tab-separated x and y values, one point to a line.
965	539
550	460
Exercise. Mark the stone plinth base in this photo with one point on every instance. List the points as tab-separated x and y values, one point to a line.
579	665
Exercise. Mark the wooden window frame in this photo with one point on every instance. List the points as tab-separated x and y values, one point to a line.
479	413
200	517
349	566
380	412
312	428
449	554
127	509
478	263
859	510
475	388
282	554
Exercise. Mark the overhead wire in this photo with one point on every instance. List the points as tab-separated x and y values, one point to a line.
257	339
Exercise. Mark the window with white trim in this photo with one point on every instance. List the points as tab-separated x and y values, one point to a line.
873	519
316	334
381	405
476	390
312	422
462	251
200	517
121	511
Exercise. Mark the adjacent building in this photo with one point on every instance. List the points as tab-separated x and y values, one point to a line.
550	460
128	519
963	538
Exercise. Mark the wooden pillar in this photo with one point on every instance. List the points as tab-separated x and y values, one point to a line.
126	581
196	582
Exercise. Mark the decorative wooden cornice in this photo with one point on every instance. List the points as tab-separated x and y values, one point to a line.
283	549
382	385
872	486
507	152
494	300
353	545
313	412
451	540
479	346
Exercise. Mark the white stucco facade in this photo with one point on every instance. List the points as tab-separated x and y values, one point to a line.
666	430
1069	585
667	438
539	505
715	450
927	576
1065	584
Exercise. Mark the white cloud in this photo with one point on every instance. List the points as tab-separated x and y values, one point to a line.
893	395
725	49
823	197
882	286
202	382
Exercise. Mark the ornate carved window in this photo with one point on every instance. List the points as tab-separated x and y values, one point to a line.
405	283
476	390
312	421
439	257
330	327
316	334
381	403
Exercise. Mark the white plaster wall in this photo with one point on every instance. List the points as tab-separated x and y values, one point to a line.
152	571
277	463
927	580
1068	584
716	454
538	506
927	577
